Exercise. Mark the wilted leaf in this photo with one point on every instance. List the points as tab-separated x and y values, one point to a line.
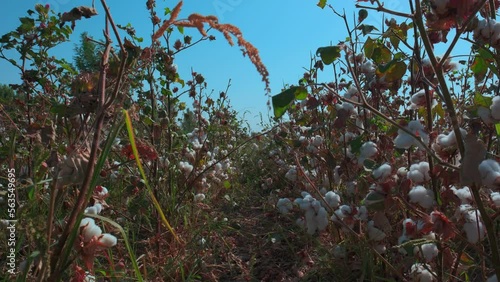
366	28
328	54
362	14
321	4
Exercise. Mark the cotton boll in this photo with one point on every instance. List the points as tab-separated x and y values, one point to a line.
405	141
87	221
464	194
322	219
381	249
291	174
402	172
317	141
419	173
367	150
495	108
284	205
421	196
200	197
107	240
492	278
427	251
420	272
418	99
332	199
90	231
490	173
448	140
186	167
91	210
374	233
495	197
474	231
382	172
362	213
339	252
311	223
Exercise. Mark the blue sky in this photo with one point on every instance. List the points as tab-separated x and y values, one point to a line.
286	32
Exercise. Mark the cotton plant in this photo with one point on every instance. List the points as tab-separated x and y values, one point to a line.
405	141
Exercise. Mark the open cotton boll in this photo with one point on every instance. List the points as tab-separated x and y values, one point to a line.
427	251
405	141
90	231
374	233
492	278
332	199
450	139
495	197
291	174
474	231
284	205
418	99
91	210
87	221
421	196
200	197
107	240
485	115
367	150
322	219
185	167
464	194
495	108
490	173
317	140
382	172
421	272
419	173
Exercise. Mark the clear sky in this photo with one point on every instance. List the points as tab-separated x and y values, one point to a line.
286	32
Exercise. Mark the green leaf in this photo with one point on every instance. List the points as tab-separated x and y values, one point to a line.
497	128
328	54
362	14
281	102
356	144
227	184
180	29
381	54
321	4
369	47
369	164
484	101
393	71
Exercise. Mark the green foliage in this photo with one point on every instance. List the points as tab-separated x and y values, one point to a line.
87	56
